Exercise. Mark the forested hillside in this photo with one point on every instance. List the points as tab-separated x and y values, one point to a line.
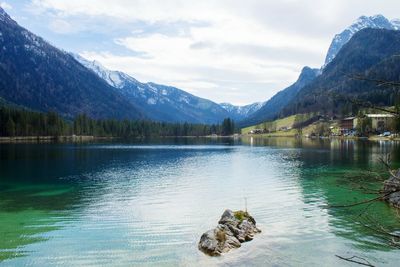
39	76
18	122
372	54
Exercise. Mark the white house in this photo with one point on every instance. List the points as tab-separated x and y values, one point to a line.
381	122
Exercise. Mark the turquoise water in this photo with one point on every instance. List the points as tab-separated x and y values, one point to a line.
147	204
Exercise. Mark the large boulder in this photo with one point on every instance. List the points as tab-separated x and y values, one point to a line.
233	228
391	190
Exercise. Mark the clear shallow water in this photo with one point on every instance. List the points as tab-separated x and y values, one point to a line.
148	204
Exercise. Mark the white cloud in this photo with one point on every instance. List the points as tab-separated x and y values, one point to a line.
5	5
209	47
61	26
231	55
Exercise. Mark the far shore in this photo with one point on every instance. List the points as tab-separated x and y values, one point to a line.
87	138
370	138
73	138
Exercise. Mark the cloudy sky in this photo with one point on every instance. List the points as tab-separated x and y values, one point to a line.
228	51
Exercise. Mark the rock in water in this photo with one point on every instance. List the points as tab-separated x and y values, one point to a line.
391	190
233	228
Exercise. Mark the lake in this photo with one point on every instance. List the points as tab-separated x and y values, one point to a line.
147	203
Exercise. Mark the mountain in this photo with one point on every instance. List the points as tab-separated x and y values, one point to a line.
159	102
116	79
285	101
371	53
36	75
239	113
396	23
272	108
363	22
167	103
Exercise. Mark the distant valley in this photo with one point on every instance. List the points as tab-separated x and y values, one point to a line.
38	76
167	103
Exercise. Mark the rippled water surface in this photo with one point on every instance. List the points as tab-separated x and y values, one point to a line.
125	204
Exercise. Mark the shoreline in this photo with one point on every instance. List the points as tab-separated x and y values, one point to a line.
371	138
73	138
86	138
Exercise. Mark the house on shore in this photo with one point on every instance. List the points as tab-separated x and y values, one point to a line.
378	123
347	125
257	131
381	122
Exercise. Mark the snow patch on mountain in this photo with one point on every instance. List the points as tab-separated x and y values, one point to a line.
396	23
242	111
375	22
116	79
151	101
161	102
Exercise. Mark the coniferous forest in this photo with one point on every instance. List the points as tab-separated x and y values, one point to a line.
19	122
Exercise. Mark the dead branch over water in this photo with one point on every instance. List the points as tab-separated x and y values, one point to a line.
354	260
380	197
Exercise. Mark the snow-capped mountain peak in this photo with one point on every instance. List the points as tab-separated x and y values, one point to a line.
396	23
5	17
242	111
172	102
114	78
2	12
375	22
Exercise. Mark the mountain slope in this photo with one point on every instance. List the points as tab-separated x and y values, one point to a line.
239	113
284	101
363	22
272	108
39	76
167	103
159	102
396	23
371	53
116	79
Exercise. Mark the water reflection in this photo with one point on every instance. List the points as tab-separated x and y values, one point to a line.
147	203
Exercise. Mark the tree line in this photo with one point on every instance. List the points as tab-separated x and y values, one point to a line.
19	122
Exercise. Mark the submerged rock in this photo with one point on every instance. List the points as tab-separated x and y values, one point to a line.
233	229
391	190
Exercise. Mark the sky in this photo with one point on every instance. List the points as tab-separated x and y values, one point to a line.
225	50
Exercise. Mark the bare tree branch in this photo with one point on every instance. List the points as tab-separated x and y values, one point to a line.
363	202
379	83
379	228
352	259
386	162
361	103
366	104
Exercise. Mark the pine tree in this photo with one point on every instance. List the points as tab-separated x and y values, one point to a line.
10	127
